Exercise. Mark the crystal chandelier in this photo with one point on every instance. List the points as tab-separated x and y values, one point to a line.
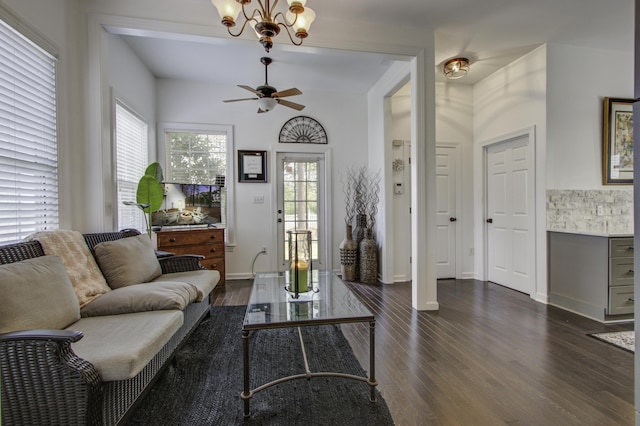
265	20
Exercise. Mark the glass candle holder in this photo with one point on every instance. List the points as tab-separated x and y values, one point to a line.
300	268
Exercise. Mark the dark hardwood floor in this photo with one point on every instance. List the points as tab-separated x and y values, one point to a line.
489	356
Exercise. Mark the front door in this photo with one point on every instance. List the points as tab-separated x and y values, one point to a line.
301	203
510	214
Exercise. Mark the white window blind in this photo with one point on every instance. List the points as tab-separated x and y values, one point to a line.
132	158
28	138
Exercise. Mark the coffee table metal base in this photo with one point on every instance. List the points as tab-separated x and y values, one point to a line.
248	393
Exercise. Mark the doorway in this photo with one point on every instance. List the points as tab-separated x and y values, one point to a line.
301	199
510	213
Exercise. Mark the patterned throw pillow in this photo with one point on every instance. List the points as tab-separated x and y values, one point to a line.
82	269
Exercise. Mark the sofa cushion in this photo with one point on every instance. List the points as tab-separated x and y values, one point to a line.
120	346
141	298
36	293
82	269
128	261
204	280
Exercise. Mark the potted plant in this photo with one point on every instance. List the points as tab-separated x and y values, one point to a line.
149	195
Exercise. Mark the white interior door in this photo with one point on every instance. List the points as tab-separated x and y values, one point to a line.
446	215
510	214
301	202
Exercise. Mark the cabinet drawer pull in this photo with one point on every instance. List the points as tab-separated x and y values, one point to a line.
213	250
631	271
631	299
172	240
630	248
213	237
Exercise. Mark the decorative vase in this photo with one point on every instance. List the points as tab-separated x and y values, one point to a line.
368	259
348	256
358	235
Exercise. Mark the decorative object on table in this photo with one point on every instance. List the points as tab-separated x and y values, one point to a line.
268	96
617	142
266	20
300	262
252	166
302	129
150	194
348	247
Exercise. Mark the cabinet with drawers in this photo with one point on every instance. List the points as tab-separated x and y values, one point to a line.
620	276
592	275
207	242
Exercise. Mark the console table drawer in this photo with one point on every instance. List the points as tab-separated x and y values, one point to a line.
621	271
206	250
621	300
182	238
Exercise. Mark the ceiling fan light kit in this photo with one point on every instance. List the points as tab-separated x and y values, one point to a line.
456	68
265	20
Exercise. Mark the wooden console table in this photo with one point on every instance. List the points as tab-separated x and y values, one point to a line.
207	242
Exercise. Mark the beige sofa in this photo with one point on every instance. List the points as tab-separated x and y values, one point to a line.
88	321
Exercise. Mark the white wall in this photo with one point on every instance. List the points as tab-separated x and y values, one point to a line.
510	101
132	84
192	102
578	80
454	125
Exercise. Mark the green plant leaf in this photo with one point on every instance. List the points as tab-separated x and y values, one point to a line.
150	192
155	170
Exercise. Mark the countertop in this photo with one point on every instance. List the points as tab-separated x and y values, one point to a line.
596	233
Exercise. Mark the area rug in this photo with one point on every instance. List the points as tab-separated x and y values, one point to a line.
203	385
622	339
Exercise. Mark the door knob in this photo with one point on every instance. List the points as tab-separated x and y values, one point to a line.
489	220
453	219
279	220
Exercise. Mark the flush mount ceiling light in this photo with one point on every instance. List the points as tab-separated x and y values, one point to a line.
265	20
456	68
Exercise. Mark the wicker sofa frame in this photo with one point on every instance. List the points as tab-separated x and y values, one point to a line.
45	382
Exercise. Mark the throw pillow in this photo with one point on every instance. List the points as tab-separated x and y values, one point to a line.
36	293
128	261
82	269
141	298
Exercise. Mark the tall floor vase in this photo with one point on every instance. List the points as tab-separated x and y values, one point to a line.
368	257
358	235
348	256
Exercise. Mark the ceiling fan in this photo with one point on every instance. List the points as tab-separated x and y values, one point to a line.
268	96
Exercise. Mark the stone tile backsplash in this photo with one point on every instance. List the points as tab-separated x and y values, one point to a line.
590	210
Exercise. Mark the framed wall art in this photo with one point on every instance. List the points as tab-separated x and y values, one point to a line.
617	142
252	166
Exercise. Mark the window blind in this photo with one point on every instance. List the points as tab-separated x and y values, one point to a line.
132	157
28	138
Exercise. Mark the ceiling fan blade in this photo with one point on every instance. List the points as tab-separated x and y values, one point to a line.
289	92
243	99
249	88
290	104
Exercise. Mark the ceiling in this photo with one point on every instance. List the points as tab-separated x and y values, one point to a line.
491	33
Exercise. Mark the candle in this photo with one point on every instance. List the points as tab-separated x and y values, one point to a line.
302	279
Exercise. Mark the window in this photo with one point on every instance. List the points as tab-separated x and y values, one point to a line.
28	133
198	174
132	159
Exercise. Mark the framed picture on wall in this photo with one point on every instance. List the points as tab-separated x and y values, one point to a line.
252	166
617	142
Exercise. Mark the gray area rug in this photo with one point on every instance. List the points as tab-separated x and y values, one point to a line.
203	385
622	339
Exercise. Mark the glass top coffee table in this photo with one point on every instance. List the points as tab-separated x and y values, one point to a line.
330	302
